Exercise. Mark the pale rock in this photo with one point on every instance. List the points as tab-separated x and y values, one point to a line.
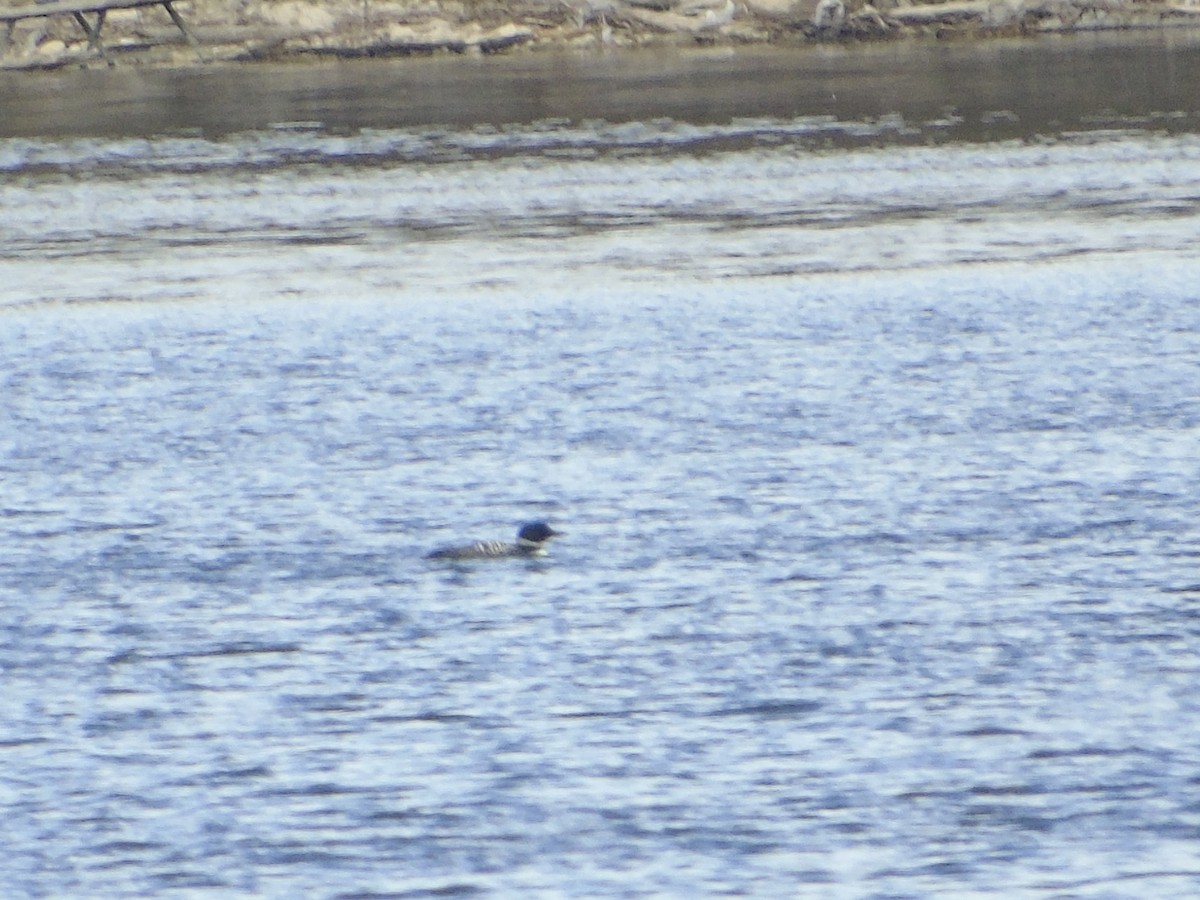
714	17
303	17
50	49
829	16
1001	13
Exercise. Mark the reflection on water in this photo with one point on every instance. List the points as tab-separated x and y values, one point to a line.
990	90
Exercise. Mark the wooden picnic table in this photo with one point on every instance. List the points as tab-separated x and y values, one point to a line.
10	16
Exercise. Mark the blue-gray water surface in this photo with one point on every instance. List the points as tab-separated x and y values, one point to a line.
877	466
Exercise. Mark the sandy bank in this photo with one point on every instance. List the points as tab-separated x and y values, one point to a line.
246	30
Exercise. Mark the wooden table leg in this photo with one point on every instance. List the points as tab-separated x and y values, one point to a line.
93	34
178	20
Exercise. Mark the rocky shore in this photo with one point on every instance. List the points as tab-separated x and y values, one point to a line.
246	30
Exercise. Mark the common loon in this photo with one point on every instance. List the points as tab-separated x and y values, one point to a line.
531	541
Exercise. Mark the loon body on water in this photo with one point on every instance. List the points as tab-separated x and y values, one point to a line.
531	542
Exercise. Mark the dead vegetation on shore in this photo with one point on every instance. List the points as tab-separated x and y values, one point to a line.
272	29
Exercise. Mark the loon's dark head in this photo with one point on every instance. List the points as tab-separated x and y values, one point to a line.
536	533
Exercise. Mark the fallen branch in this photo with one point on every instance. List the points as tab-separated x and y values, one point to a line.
940	13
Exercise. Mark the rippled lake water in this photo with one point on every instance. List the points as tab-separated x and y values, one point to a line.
875	453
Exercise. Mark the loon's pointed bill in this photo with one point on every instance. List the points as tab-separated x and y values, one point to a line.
531	541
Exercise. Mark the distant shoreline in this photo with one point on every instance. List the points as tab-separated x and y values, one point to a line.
281	30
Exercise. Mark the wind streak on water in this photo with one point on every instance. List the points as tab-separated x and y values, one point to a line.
877	473
321	228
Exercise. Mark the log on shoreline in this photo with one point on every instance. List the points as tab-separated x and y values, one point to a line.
941	13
